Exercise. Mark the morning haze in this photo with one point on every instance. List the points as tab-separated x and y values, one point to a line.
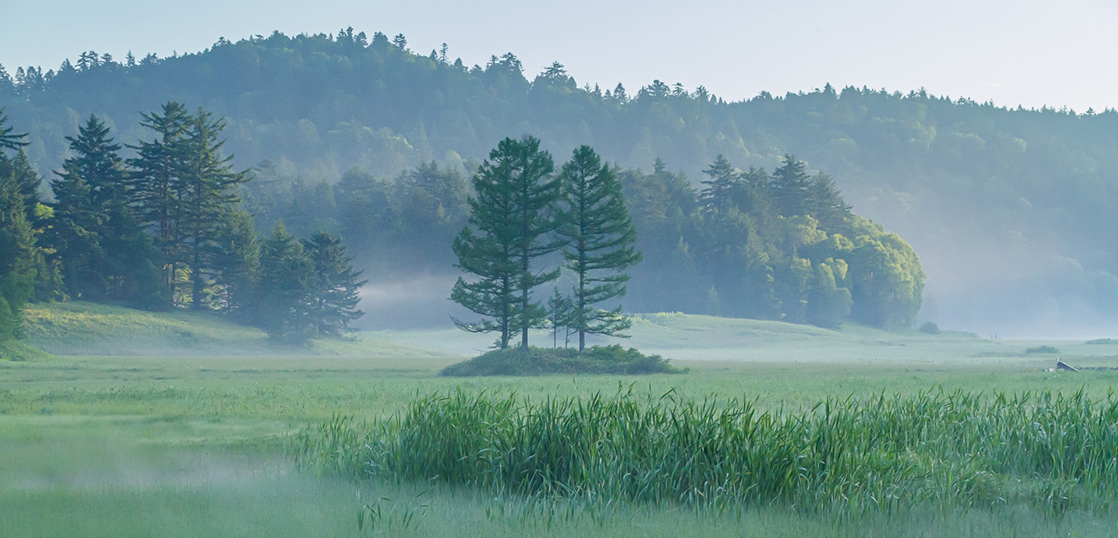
581	269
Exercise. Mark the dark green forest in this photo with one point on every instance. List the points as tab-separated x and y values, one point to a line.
1008	208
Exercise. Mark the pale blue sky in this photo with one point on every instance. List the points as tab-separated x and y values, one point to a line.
1013	52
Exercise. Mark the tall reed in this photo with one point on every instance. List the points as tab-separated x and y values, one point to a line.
843	456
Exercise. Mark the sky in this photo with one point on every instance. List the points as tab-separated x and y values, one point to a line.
1013	52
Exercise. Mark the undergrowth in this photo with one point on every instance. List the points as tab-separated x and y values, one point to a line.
843	457
611	359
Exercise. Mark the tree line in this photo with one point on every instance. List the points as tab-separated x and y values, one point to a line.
162	229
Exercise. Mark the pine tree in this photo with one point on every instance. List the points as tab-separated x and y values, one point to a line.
104	253
535	192
286	276
826	203
790	185
157	185
17	248
206	195
510	211
719	192
334	293
7	139
485	249
237	264
600	240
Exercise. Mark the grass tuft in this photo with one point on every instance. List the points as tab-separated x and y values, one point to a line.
844	457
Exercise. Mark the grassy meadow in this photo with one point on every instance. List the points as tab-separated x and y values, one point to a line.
177	435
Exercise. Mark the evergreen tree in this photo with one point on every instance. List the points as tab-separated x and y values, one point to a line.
207	184
790	185
534	194
510	211
600	240
157	186
826	203
485	248
17	270
286	277
720	188
237	264
7	139
334	292
104	253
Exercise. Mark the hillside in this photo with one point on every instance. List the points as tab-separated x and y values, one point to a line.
1008	209
91	329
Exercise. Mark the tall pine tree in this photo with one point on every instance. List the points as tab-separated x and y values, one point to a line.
485	248
157	184
207	194
510	227
286	276
334	292
104	253
600	240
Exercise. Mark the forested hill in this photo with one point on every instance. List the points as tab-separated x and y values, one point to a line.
1010	210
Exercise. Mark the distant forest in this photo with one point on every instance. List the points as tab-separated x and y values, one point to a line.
1008	208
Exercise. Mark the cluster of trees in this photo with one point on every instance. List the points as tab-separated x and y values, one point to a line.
748	243
162	229
521	212
771	246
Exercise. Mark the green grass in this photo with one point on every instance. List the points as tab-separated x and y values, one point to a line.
190	438
842	458
78	328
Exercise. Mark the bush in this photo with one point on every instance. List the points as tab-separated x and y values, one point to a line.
539	361
1101	341
930	328
1041	350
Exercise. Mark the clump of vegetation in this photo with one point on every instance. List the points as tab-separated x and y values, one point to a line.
930	328
843	457
1100	341
14	350
539	361
1041	350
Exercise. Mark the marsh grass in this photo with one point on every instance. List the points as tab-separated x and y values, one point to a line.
844	458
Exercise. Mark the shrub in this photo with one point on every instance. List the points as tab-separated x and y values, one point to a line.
1041	350
930	328
539	361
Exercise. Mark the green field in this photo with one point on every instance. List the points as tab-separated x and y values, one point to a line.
189	439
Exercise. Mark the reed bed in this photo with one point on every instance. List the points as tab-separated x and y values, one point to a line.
845	457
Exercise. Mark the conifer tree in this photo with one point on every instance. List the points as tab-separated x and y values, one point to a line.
485	249
718	194
334	292
7	139
600	240
286	275
206	195
17	271
104	253
157	186
790	185
237	264
509	227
